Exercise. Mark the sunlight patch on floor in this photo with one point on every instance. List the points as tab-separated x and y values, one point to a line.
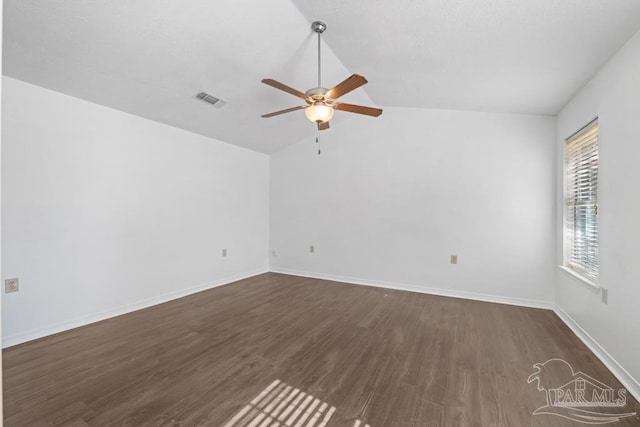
281	405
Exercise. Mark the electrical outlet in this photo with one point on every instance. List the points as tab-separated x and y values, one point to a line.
312	249
605	295
454	259
273	252
224	252
11	285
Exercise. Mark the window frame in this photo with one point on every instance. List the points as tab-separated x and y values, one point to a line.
569	237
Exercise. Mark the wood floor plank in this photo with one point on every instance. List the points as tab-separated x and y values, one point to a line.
378	356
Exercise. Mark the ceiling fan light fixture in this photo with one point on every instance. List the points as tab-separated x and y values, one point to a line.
319	112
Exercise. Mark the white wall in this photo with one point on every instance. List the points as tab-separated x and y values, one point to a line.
613	97
104	212
391	198
1	34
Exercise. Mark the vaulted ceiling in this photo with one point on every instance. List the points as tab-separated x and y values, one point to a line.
150	57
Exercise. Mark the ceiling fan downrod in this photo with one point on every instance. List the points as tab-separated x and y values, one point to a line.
319	27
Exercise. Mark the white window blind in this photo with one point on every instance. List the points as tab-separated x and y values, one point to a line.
581	203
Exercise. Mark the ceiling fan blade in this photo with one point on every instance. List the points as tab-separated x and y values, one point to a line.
323	126
368	111
284	87
288	110
352	82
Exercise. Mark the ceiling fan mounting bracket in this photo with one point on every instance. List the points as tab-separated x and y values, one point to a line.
319	27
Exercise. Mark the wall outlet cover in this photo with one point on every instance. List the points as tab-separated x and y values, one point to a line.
11	285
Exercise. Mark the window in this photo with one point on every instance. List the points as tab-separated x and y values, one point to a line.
581	203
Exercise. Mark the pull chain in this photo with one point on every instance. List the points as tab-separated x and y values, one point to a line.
318	141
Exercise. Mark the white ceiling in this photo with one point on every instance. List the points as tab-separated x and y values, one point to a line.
149	57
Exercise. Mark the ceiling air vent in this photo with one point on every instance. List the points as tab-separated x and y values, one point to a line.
210	99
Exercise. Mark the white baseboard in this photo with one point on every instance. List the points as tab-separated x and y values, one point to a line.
548	305
19	338
631	384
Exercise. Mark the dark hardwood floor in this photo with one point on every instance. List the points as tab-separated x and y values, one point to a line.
289	351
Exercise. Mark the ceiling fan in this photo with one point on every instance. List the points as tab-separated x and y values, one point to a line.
321	102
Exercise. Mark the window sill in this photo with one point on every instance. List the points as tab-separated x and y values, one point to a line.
579	277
